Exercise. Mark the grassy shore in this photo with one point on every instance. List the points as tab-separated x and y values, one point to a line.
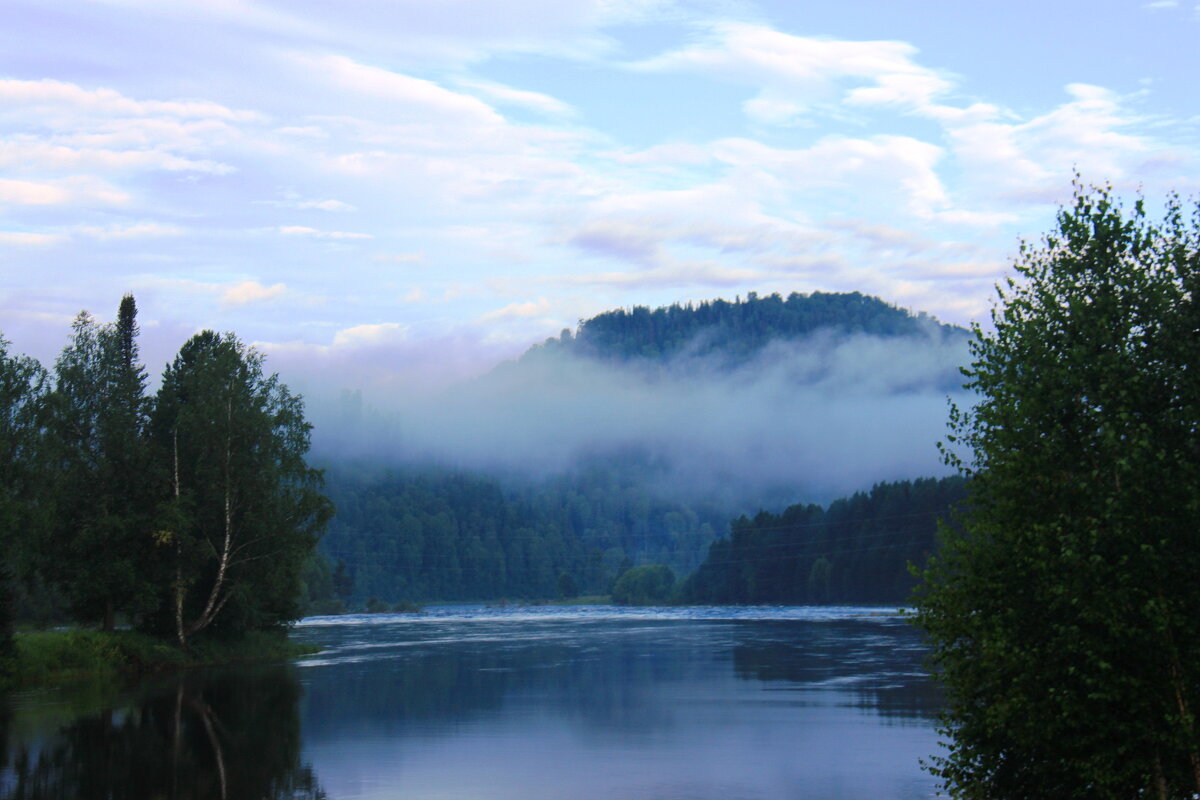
48	658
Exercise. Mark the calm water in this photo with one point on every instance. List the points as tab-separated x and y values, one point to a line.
525	703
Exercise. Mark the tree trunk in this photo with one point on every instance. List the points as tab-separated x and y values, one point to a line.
215	602
180	633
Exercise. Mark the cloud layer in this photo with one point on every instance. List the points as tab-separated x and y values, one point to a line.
468	178
814	418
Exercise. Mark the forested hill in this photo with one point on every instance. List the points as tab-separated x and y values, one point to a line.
739	328
433	534
636	440
855	551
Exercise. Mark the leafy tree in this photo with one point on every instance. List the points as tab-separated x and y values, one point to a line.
651	584
567	587
245	509
101	543
1063	619
23	388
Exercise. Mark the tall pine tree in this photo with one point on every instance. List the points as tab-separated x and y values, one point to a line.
100	550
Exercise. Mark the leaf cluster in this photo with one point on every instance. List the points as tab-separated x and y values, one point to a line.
1062	615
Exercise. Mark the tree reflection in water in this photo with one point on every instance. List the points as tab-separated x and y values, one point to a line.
221	735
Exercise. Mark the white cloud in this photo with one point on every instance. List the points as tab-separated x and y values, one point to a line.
1008	157
325	205
399	258
24	154
370	335
531	308
507	95
411	95
32	194
795	73
135	231
78	190
302	230
47	93
245	292
309	205
26	239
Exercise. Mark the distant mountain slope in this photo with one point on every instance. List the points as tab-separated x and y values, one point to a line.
638	437
740	328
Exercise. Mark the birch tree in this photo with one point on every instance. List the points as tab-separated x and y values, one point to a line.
244	508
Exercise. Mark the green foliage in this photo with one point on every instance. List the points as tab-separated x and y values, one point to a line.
317	594
1063	617
245	509
192	511
855	551
54	657
433	534
100	548
567	587
647	585
23	387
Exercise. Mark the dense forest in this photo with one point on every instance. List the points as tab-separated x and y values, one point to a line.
189	512
194	509
738	329
855	551
437	535
414	532
422	534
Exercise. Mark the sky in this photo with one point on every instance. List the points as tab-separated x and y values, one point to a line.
396	195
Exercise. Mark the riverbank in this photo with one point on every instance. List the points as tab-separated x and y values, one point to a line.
49	658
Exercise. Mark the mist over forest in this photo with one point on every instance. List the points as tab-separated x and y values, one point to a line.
638	438
806	411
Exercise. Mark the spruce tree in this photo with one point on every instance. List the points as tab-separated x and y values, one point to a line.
100	550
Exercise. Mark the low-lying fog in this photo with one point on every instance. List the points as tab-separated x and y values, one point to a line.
822	416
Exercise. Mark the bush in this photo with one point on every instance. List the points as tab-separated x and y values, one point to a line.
649	585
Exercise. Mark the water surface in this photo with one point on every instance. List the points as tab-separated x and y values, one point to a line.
507	703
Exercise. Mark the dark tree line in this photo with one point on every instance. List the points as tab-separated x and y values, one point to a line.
186	511
735	330
856	551
435	534
426	534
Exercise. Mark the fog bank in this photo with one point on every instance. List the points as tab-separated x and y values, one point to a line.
817	417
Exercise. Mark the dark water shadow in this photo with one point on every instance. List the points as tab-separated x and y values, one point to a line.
880	669
230	734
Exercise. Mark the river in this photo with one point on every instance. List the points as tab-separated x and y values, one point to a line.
513	703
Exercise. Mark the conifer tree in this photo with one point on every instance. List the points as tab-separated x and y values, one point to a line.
101	544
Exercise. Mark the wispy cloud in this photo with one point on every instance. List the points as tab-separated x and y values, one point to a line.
246	292
303	230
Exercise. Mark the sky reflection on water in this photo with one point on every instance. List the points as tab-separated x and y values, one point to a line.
601	702
529	703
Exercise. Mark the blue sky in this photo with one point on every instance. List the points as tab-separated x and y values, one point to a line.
396	194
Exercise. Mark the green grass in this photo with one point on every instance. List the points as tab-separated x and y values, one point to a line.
48	658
